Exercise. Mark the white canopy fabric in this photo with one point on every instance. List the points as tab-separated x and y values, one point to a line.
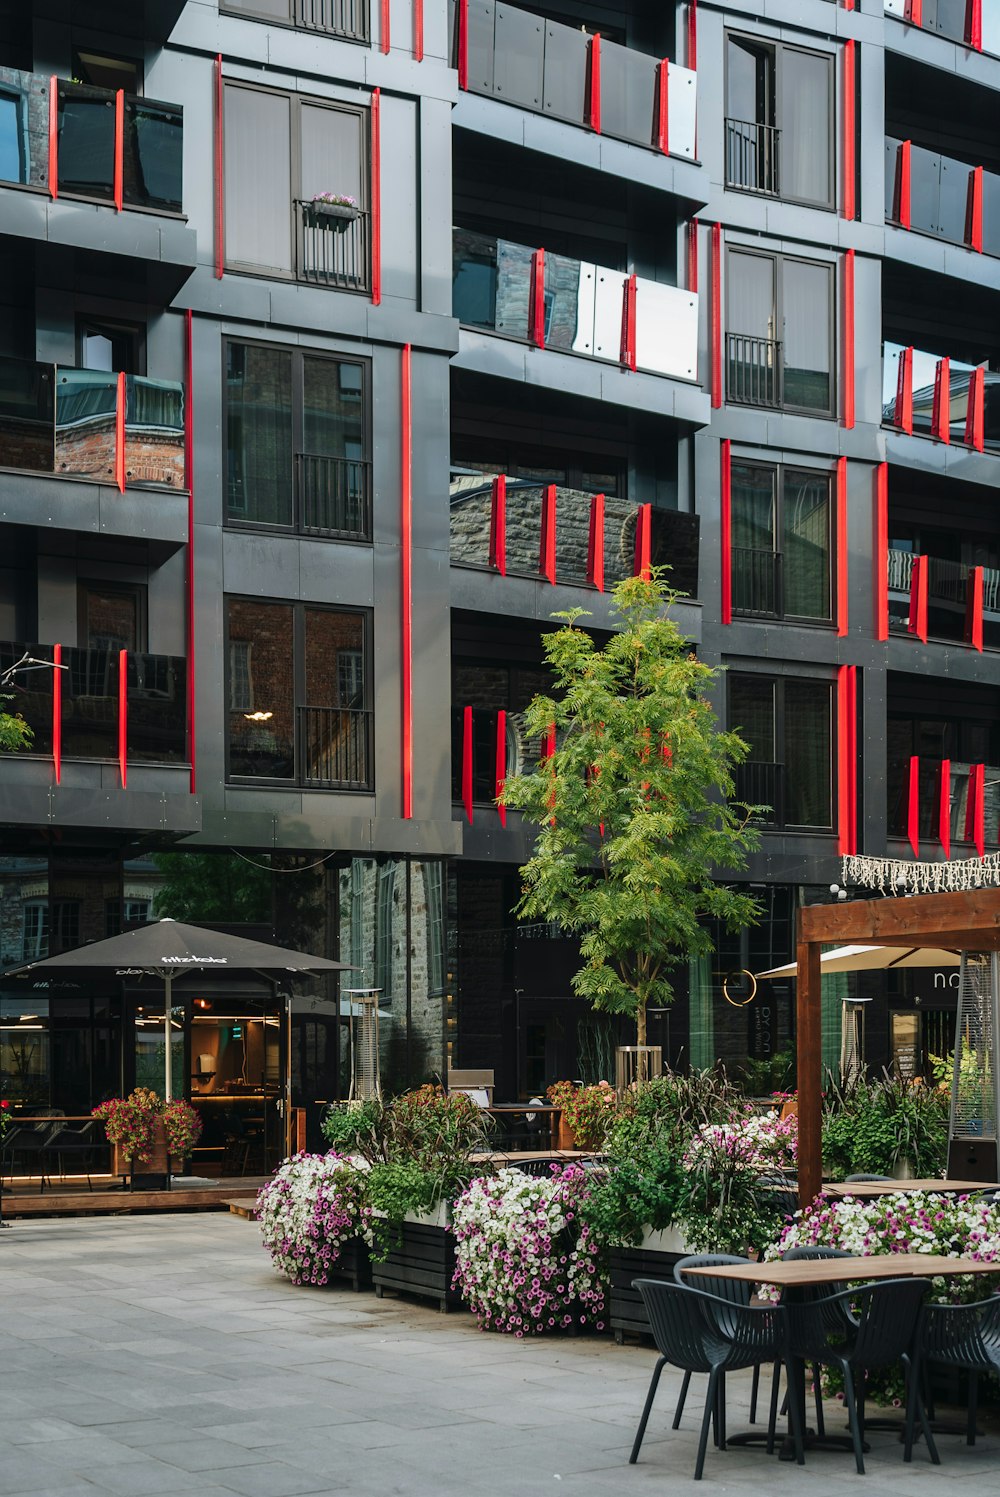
873	959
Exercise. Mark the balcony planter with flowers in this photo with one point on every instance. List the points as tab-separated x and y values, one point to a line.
330	210
150	1138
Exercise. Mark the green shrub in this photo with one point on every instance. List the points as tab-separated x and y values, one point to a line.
874	1127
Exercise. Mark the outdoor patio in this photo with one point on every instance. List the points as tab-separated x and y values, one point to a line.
163	1354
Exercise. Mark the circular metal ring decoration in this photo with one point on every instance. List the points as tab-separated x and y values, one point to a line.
739	1002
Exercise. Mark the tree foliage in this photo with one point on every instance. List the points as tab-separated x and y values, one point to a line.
632	801
212	886
14	731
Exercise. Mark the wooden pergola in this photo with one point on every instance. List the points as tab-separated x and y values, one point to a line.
968	921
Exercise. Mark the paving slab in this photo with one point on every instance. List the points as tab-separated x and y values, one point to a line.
142	1357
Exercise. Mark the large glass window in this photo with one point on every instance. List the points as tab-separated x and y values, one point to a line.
297	689
282	153
779	121
297	441
787	723
780	332
781	519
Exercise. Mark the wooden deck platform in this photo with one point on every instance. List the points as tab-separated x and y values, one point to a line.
23	1199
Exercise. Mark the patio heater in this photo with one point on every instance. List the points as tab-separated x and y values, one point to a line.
365	1082
975	1077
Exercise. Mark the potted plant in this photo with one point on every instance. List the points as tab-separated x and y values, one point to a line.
331	210
526	1261
145	1131
587	1113
312	1216
886	1126
417	1149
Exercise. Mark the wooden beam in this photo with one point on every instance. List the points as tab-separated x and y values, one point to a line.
809	1029
967	920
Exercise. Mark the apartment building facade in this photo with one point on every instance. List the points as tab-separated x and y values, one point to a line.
346	341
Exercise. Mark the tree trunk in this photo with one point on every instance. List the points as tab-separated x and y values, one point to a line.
640	1024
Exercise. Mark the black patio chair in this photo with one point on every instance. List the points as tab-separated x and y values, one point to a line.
702	1333
29	1144
966	1337
868	1179
68	1144
860	1330
802	1255
734	1291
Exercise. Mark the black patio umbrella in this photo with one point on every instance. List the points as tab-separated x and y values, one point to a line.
168	949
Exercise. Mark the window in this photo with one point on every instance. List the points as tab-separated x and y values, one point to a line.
298	693
780	333
112	618
34	929
348	19
787	722
385	906
297	441
780	121
781	542
110	346
280	153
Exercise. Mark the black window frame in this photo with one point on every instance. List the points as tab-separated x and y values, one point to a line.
298	781
298	355
777	49
297	102
296	19
778	820
779	260
780	471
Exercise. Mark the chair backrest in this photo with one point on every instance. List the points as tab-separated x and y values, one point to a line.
695	1331
471	1081
736	1291
867	1179
887	1314
962	1335
814	1254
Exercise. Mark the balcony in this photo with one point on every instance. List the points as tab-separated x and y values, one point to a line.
335	748
112	148
574	306
952	19
565	74
754	371
334	496
88	424
941	196
924	395
948	601
332	250
93	707
752	156
916	803
756	783
757	582
517	527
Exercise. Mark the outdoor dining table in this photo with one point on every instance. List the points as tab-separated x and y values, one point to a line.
870	1190
796	1273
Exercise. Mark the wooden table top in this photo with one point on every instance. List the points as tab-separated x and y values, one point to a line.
522	1107
800	1271
872	1189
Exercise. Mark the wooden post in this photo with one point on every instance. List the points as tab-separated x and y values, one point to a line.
809	1028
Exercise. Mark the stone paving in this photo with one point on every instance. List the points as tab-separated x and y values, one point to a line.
161	1354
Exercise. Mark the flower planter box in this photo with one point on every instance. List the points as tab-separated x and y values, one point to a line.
147	1174
335	216
423	1262
654	1258
353	1266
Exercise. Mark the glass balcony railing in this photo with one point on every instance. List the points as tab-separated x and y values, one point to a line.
939	195
948	586
912	387
673	535
549	68
951	19
579	308
156	696
64	421
129	155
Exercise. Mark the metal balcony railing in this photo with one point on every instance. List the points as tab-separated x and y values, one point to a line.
335	495
335	747
757	783
334	250
753	371
757	578
752	157
349	19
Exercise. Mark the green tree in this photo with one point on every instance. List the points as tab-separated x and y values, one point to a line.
212	886
632	801
14	731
